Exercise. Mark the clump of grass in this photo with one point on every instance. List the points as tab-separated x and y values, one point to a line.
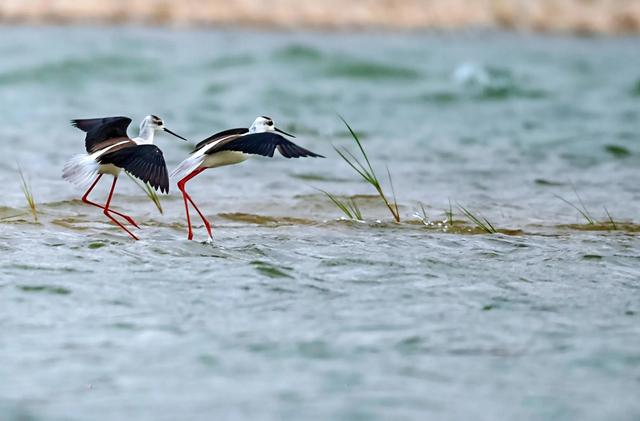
25	185
582	209
480	221
150	192
349	207
367	172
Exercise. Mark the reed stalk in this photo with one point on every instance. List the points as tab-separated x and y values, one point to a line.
367	173
25	185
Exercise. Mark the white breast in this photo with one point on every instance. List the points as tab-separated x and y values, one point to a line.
222	158
109	169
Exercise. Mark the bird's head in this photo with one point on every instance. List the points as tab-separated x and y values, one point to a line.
265	124
155	123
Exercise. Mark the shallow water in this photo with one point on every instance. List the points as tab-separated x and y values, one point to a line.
293	313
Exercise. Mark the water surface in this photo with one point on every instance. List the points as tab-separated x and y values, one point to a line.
293	313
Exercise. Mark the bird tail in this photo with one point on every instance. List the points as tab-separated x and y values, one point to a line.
186	167
80	170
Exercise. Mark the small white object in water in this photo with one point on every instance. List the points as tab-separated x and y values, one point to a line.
471	74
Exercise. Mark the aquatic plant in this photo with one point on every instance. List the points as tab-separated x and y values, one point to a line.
480	221
613	224
423	217
367	172
25	185
344	66
149	191
449	214
617	151
349	207
582	210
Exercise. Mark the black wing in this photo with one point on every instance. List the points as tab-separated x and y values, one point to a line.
145	162
264	144
220	135
101	129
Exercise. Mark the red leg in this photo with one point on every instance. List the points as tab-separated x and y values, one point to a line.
107	210
89	202
181	185
206	222
186	209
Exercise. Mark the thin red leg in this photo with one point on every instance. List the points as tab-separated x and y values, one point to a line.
107	210
206	222
181	185
89	202
186	209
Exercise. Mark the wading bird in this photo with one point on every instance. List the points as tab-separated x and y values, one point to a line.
110	150
232	147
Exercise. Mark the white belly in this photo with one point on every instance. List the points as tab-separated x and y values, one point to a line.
220	159
109	169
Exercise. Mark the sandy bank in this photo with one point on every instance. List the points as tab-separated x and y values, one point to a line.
584	16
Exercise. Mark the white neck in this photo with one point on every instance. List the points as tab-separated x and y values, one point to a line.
259	128
146	135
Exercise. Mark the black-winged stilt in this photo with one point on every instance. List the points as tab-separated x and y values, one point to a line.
110	150
232	147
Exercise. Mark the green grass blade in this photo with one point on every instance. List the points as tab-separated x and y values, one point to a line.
585	215
348	161
355	209
613	224
357	165
367	172
586	211
449	214
370	176
489	224
424	212
424	218
395	211
25	185
339	204
357	140
485	226
149	191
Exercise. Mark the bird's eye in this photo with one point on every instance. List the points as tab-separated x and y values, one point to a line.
269	123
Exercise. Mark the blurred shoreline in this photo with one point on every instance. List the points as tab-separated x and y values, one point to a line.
570	16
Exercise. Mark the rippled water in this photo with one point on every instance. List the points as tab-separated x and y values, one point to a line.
293	313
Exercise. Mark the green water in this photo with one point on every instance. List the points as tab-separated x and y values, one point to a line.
294	313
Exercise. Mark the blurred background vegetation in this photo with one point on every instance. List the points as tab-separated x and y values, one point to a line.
575	16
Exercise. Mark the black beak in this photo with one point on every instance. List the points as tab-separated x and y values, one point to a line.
176	135
283	132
